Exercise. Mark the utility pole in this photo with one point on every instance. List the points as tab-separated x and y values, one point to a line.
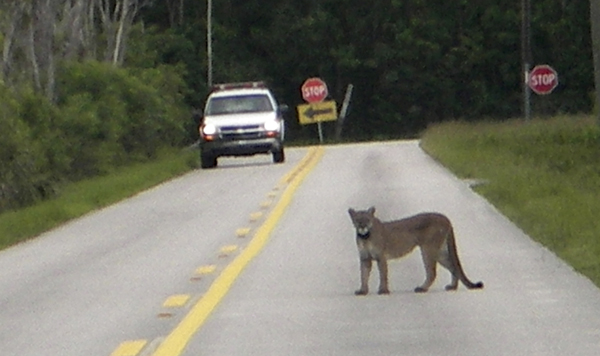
526	54
209	79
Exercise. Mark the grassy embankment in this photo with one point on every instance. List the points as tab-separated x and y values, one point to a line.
544	175
77	199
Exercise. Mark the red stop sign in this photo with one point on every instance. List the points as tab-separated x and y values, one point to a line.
543	79
314	90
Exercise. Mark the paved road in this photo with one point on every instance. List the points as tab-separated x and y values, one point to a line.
126	280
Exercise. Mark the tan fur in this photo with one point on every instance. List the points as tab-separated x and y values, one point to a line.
379	241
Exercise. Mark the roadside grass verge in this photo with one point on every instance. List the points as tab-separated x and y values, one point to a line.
544	175
77	199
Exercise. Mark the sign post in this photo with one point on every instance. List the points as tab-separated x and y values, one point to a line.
343	112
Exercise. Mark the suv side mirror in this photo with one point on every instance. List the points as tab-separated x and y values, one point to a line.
283	108
197	117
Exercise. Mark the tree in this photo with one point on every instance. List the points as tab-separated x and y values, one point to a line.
42	24
76	27
176	10
29	43
12	15
117	18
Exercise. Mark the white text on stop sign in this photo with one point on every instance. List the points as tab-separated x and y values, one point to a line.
542	79
315	91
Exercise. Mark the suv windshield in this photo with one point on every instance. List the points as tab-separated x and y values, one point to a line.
238	104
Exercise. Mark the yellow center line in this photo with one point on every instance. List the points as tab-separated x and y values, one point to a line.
175	342
305	161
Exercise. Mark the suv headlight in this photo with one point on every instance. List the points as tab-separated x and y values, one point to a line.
208	131
272	125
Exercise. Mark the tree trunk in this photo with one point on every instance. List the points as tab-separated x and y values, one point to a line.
106	19
180	12
35	68
116	19
9	40
90	42
175	12
43	24
73	28
117	58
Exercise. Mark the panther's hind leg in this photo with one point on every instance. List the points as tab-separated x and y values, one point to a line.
430	262
444	260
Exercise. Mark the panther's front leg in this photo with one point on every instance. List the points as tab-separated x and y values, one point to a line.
365	271
383	275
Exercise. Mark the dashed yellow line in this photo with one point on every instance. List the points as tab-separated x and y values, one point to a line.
229	248
129	348
256	216
265	204
208	269
176	301
242	232
175	342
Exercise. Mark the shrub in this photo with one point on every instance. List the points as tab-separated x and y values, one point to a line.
143	107
104	117
25	175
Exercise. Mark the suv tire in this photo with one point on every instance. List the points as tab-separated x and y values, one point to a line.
207	161
279	156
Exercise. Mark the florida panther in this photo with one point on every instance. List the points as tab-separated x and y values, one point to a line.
380	241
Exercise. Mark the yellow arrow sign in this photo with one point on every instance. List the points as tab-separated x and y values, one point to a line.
317	112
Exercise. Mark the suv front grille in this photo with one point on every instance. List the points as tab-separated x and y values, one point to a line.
247	132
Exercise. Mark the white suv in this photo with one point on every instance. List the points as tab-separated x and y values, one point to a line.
241	119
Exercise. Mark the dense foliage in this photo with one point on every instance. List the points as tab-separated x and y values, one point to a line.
103	118
90	85
411	62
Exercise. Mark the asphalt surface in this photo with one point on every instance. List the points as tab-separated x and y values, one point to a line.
124	280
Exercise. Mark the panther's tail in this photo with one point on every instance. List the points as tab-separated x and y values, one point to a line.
458	267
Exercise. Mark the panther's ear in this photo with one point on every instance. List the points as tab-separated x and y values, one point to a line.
351	212
372	210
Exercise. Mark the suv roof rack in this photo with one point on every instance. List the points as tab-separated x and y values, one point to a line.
240	85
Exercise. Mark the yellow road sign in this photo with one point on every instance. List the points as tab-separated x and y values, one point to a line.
317	112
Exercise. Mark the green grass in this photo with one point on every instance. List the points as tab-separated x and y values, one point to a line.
77	199
544	175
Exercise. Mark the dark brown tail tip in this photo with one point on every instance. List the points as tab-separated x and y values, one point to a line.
478	285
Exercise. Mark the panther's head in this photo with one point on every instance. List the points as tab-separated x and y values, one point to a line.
363	221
